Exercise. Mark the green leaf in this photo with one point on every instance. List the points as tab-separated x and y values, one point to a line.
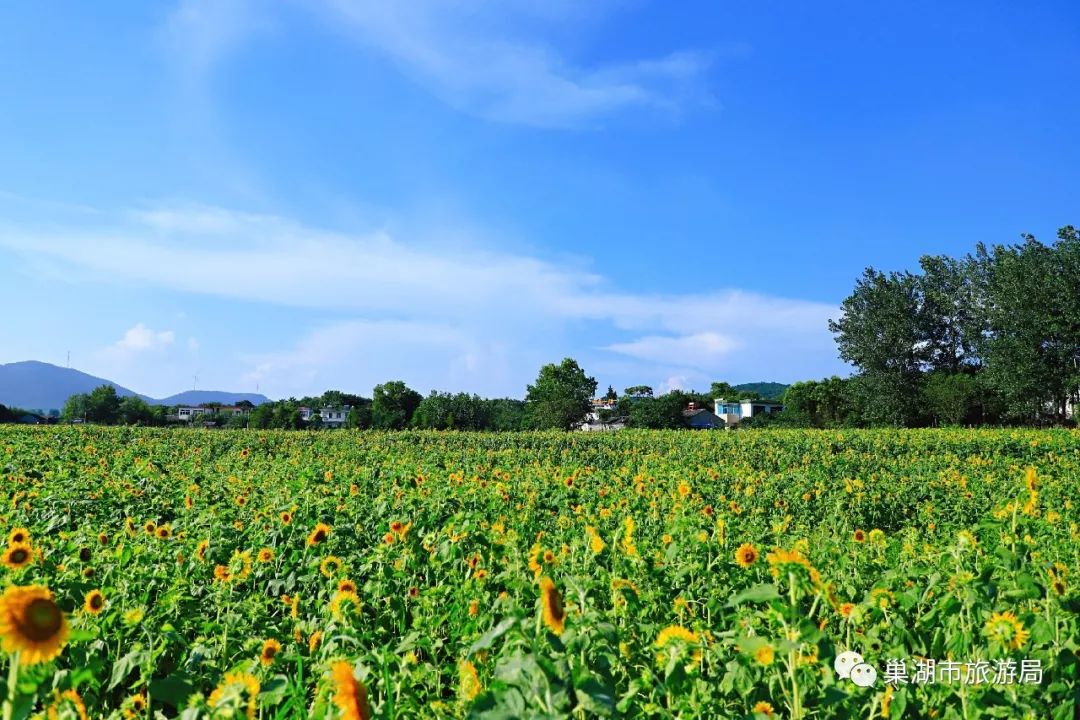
758	593
487	640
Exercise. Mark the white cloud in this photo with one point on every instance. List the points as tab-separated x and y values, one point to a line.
495	60
141	338
429	307
675	382
703	349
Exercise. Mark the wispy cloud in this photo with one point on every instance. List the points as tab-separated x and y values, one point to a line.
499	61
141	339
479	317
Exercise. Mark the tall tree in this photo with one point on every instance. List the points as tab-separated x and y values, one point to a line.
393	404
879	332
561	397
103	405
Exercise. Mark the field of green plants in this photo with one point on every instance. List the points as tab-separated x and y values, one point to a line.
184	573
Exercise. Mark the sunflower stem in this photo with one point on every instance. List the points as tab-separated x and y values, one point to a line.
12	686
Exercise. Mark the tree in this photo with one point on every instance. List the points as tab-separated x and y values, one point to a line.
103	405
954	398
638	391
664	412
359	416
74	408
506	414
879	333
134	411
561	397
1032	342
611	395
393	404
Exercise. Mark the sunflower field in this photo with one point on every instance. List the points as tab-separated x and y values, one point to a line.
271	574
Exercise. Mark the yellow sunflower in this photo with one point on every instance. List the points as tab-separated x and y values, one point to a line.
314	641
200	551
330	565
552	604
764	708
346	585
69	696
270	649
94	602
265	555
19	535
468	681
319	534
765	655
286	518
350	695
1006	629
136	706
150	527
17	555
859	536
164	532
32	623
746	555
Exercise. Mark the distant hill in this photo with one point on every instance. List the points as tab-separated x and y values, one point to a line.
33	385
198	397
767	390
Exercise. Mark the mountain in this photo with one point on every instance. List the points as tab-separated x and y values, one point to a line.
198	397
767	390
33	385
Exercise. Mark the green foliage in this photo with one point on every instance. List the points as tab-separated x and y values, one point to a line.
392	405
894	543
660	413
638	391
561	397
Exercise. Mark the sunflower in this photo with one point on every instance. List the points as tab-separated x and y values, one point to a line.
1006	629
346	585
314	641
350	695
84	554
200	550
746	555
319	534
136	706
241	501
221	573
468	681
330	565
858	536
270	649
339	599
845	609
265	555
72	697
675	632
94	603
17	555
164	532
764	708
19	535
286	518
103	539
233	681
765	655
32	623
150	527
552	603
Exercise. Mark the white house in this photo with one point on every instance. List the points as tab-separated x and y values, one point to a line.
732	413
187	414
330	416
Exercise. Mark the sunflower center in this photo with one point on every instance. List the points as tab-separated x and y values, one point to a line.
556	605
42	619
19	556
97	601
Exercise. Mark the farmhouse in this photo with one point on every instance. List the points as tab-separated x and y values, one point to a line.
329	416
732	413
697	418
187	414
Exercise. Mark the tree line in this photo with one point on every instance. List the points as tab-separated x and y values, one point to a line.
989	338
560	398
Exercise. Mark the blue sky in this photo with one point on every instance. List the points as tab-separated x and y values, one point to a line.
298	196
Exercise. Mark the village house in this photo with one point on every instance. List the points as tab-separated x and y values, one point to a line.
732	413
